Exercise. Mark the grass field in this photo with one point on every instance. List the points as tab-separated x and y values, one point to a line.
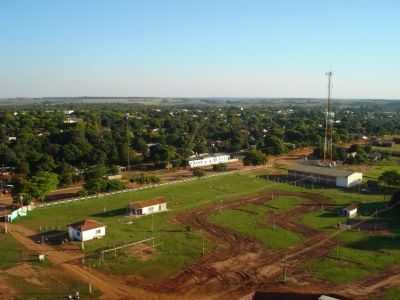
10	251
361	253
250	220
178	247
376	169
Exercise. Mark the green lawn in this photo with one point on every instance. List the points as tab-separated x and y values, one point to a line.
283	203
378	168
250	220
360	253
10	251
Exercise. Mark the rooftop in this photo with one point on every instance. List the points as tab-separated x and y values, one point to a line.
351	206
86	224
325	171
147	203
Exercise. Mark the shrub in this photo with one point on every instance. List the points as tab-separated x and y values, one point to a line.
220	168
198	172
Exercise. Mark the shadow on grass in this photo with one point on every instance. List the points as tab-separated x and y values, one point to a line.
51	237
376	243
112	213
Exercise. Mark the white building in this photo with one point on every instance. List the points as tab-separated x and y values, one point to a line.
350	211
209	160
86	230
325	175
148	207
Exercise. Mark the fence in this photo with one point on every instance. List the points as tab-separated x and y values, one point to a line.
54	203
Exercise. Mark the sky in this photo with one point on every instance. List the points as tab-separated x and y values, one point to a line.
185	48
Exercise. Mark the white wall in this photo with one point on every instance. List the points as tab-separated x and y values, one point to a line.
209	161
154	209
349	181
87	235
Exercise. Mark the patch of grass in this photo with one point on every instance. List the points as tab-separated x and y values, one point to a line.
361	255
336	271
389	294
252	224
322	220
283	203
10	251
378	168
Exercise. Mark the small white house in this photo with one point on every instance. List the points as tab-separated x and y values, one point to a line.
209	160
147	207
86	230
350	211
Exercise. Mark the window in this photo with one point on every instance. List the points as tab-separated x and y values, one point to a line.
98	231
150	209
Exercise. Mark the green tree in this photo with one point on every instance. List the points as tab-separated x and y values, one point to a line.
254	158
390	178
274	145
43	183
198	172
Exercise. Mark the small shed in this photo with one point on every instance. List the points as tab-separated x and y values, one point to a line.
148	207
350	211
86	230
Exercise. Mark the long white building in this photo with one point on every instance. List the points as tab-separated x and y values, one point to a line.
209	160
152	206
325	175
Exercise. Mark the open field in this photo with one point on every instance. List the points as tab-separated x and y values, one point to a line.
244	224
250	220
33	281
10	251
376	169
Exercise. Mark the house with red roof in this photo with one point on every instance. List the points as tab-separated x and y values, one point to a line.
86	230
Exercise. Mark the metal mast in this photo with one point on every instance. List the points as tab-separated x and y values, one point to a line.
329	121
127	139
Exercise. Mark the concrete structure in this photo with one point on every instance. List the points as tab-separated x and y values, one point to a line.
325	175
350	211
86	230
209	160
148	207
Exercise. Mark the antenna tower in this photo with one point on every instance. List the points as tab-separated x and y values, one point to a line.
329	121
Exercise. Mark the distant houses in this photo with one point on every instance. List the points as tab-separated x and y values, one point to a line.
142	208
86	230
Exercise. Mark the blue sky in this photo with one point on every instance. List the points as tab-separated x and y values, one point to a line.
199	48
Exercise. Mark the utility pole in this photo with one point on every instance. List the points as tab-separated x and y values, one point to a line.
329	121
127	139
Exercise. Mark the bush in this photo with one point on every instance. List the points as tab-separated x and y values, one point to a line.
115	185
144	179
220	168
254	158
198	172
